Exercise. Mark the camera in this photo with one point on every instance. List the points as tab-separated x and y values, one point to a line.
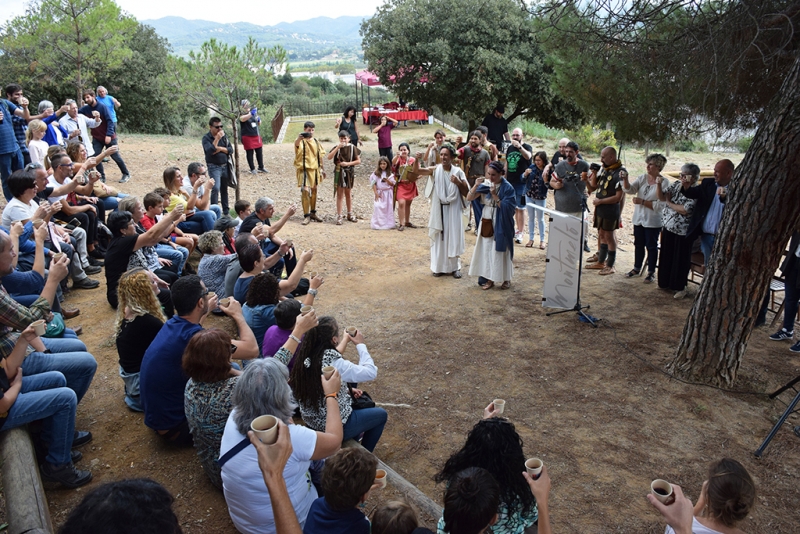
595	166
306	135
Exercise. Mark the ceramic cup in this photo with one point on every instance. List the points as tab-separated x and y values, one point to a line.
39	326
328	371
663	491
265	428
499	405
380	477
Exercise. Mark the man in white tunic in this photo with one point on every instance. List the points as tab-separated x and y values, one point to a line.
446	225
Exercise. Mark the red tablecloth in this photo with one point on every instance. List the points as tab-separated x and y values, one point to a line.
419	115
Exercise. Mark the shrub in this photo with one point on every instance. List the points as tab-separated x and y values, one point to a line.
537	129
743	143
591	139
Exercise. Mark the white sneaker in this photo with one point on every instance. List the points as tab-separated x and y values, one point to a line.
680	294
518	237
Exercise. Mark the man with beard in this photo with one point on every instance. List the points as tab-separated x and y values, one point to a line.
518	158
569	182
475	159
607	208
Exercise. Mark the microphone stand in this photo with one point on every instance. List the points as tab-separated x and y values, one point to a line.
578	308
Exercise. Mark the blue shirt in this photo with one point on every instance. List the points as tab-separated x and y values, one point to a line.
50	135
8	139
259	318
107	128
322	519
713	217
241	287
161	379
108	102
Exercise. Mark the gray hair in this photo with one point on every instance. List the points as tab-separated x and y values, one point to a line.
263	203
33	166
657	159
45	104
69	102
263	389
209	241
691	168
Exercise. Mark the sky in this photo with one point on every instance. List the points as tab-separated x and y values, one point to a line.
265	13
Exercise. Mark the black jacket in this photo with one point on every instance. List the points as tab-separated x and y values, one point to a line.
704	193
790	268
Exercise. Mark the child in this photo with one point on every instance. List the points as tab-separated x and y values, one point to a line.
383	181
396	517
346	157
347	478
33	137
243	211
181	238
403	165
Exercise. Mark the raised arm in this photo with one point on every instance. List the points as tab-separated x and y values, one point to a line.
151	237
425	171
246	345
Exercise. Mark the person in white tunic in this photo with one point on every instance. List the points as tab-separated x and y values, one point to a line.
446	226
494	248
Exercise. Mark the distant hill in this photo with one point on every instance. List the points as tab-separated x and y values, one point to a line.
303	40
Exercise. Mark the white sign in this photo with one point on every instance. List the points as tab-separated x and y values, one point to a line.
564	248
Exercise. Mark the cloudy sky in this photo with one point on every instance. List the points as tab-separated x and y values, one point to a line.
262	13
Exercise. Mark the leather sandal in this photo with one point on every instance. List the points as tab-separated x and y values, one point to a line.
505	285
487	285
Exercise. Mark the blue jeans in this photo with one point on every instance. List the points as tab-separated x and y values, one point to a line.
538	216
201	222
9	163
177	256
706	244
67	356
45	397
220	175
132	395
370	421
111	203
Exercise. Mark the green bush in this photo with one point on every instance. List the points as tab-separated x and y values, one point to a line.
537	129
743	143
592	140
691	145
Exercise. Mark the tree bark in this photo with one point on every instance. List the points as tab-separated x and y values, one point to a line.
234	122
761	212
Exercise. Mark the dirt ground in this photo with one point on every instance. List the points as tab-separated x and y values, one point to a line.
592	403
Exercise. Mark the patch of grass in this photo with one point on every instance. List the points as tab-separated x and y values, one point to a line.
537	129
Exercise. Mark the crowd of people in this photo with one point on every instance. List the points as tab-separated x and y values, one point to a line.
62	221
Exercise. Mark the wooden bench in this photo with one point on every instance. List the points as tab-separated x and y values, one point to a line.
26	504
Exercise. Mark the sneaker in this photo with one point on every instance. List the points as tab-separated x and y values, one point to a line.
76	456
92	269
125	179
263	171
795	347
518	238
85	283
253	171
680	294
782	335
81	438
650	278
315	217
65	474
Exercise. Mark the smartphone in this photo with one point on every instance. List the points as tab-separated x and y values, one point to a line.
74	223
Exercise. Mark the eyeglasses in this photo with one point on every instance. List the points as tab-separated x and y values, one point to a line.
205	293
218	126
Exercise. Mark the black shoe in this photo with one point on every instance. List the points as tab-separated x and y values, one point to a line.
125	179
85	283
95	262
77	456
65	474
92	269
96	254
81	438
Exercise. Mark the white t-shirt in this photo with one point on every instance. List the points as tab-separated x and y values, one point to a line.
187	186
52	181
16	210
38	151
243	484
697	528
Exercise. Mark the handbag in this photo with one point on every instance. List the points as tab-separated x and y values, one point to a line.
364	401
55	326
231	168
487	228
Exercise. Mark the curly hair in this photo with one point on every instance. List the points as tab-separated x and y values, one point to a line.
347	476
264	289
74	151
135	293
394	517
207	356
493	444
731	492
305	381
658	160
210	241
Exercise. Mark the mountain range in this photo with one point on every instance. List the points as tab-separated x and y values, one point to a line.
303	40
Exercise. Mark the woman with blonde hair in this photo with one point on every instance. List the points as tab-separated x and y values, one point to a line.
84	166
33	138
139	319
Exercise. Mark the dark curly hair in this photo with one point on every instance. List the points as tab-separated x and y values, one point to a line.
264	289
305	381
731	492
493	444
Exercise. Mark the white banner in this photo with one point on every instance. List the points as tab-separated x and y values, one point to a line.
563	254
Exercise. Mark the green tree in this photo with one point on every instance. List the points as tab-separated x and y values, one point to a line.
66	41
464	57
218	77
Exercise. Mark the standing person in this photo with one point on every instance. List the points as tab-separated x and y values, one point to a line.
345	157
14	95
568	180
646	216
403	168
10	153
308	156
446	226
109	102
497	126
249	121
475	159
518	158
384	133
383	181
536	192
37	148
676	245
217	148
494	248
790	269
607	208
74	121
710	195
105	134
347	122
432	157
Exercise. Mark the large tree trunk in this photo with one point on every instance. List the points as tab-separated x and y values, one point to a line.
762	211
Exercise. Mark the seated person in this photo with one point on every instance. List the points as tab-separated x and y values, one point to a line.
125	241
247	497
396	517
725	501
154	214
285	312
262	296
242	209
226	226
198	180
322	347
207	397
84	166
147	257
253	263
517	509
264	209
133	505
235	270
139	320
346	480
168	247
42	396
162	380
198	220
214	263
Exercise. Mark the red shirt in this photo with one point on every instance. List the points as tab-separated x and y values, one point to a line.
147	222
